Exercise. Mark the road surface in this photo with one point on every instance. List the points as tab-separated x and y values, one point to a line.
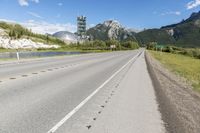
107	92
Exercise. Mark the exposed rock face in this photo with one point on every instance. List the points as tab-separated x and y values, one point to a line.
1	30
6	42
170	32
197	23
110	29
113	28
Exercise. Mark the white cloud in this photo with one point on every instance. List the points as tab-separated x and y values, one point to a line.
26	2
36	1
177	13
193	4
8	21
23	2
171	13
43	27
35	15
60	4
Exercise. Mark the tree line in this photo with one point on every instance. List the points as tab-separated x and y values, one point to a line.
16	31
106	45
192	52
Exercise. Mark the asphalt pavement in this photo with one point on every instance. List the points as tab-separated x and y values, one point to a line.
58	94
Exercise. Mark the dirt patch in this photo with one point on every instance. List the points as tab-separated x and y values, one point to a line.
178	103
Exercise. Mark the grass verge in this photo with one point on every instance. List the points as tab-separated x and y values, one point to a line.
184	66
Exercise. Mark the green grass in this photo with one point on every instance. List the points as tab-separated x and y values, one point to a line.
2	50
184	66
66	49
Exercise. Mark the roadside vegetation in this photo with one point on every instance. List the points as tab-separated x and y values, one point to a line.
97	46
88	46
192	52
16	31
185	66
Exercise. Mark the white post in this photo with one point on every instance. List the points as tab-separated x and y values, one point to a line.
18	56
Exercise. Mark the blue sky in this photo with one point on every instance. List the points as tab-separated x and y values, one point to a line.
53	15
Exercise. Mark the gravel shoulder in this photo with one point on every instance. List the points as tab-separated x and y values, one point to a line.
178	103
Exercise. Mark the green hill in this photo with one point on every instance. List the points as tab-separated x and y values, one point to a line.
183	34
155	35
16	31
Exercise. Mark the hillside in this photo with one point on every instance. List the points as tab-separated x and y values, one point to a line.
15	36
111	30
184	34
155	35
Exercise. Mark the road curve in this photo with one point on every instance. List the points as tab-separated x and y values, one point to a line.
36	95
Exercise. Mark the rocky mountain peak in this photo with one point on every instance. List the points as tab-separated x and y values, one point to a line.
110	29
195	16
112	24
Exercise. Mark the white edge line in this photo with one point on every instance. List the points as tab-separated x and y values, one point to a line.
71	113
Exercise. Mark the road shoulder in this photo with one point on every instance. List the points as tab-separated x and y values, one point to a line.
134	108
178	103
126	105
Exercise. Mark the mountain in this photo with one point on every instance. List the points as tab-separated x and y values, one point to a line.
111	29
66	36
184	34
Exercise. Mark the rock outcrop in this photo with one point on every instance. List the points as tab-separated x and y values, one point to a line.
110	29
7	43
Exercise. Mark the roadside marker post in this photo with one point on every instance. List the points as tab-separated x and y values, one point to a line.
17	55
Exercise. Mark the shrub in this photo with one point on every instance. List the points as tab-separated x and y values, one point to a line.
152	46
113	42
130	45
168	49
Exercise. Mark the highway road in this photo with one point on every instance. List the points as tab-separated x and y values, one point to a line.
62	94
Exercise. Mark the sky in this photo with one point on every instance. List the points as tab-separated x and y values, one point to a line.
50	16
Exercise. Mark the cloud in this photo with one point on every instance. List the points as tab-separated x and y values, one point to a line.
36	1
43	27
193	4
26	2
35	15
8	21
171	13
23	2
60	4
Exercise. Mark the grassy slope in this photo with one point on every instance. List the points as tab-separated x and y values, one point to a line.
21	32
187	67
